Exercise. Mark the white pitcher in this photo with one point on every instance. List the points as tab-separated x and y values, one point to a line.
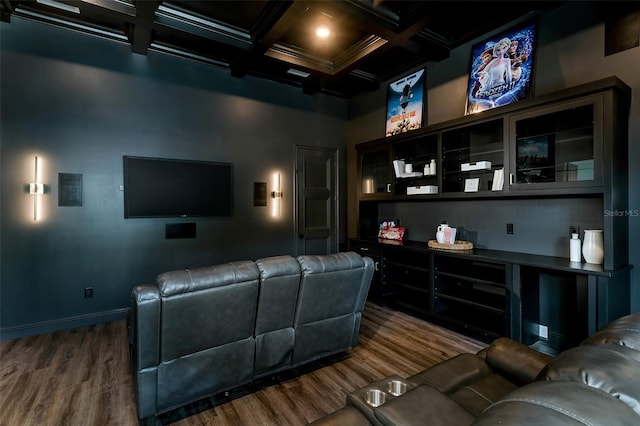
440	237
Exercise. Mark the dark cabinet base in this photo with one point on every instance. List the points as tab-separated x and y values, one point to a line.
545	302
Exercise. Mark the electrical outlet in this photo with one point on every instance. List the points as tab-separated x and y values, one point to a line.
543	331
88	292
509	228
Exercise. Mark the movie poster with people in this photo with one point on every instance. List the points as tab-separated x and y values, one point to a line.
405	103
502	69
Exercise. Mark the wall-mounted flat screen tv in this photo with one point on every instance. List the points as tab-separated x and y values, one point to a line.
160	187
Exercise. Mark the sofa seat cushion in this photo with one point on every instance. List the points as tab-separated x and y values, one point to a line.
423	405
558	404
613	369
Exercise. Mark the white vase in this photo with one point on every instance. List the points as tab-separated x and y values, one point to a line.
592	246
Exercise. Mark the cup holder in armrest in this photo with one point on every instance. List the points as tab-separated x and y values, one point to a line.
396	387
375	397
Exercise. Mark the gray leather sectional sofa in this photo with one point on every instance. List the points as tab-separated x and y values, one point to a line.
199	332
595	383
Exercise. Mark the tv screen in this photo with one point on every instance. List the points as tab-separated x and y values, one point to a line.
159	187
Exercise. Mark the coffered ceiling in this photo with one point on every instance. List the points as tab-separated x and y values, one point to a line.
369	41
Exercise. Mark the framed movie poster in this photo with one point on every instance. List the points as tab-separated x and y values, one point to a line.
501	70
405	106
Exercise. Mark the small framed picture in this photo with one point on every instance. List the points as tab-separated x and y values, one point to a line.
501	69
471	185
405	103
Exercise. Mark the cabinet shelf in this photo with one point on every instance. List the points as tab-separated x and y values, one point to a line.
391	264
491	148
396	283
482	306
467	172
468	278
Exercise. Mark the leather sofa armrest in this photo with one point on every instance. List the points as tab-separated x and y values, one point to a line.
144	326
450	375
516	360
421	406
369	267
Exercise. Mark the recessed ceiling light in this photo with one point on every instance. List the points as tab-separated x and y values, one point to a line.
59	5
299	73
323	32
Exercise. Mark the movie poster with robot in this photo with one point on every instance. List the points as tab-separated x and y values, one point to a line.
405	103
501	69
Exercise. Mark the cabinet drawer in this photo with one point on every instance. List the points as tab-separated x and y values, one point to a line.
365	248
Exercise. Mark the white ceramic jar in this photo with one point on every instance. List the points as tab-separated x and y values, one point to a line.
593	246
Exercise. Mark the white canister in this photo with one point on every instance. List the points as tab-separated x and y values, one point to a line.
593	246
408	168
575	253
368	186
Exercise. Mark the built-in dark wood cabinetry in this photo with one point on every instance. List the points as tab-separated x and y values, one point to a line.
544	301
568	144
473	293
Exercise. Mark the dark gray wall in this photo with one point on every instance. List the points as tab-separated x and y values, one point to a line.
570	52
542	226
80	103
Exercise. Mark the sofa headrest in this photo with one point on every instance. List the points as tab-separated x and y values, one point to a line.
624	331
313	264
188	280
277	266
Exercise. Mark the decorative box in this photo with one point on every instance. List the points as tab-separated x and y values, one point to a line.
424	189
392	233
478	165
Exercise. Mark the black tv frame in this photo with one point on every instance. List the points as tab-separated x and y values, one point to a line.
166	187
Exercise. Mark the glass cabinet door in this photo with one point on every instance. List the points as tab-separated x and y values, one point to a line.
375	171
557	147
473	158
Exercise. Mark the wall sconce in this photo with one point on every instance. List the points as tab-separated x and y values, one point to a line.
276	194
36	189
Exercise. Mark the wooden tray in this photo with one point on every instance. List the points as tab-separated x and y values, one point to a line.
458	245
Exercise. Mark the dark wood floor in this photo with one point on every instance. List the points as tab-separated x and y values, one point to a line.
82	376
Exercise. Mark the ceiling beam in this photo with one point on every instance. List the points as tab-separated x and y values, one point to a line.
262	35
141	31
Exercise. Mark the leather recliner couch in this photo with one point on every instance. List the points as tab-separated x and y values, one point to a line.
199	332
595	383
